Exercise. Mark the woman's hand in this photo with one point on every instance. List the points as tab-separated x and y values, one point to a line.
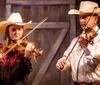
29	50
0	56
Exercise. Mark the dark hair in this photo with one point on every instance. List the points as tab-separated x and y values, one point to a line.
7	32
95	14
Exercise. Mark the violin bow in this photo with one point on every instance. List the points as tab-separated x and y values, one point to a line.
19	41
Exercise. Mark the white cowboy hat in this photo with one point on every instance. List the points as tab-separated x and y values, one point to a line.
15	19
86	7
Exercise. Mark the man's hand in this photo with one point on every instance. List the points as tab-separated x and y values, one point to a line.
62	63
83	41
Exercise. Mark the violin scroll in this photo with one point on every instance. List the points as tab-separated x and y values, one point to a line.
89	34
36	53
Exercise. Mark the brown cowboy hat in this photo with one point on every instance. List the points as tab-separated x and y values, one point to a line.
86	7
15	19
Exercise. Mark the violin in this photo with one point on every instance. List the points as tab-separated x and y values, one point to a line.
89	34
21	47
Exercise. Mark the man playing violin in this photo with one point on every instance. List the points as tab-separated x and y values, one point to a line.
84	59
15	64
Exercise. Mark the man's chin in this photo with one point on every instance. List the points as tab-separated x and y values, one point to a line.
84	27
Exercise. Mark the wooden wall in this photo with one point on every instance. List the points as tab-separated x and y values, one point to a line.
53	36
2	14
2	8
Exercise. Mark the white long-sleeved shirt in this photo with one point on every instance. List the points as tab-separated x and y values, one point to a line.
84	69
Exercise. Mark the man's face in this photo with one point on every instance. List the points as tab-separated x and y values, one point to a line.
88	20
15	32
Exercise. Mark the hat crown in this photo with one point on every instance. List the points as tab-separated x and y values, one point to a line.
84	5
15	18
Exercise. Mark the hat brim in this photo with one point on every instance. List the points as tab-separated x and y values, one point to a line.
4	24
77	12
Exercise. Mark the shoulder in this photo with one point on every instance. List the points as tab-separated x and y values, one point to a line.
74	40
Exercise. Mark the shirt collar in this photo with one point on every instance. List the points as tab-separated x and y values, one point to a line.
96	28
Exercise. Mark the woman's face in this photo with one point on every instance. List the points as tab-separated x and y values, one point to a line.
15	32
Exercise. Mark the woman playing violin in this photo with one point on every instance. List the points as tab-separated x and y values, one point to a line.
15	65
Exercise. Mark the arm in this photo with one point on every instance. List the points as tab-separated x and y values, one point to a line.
92	55
64	62
29	50
27	57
